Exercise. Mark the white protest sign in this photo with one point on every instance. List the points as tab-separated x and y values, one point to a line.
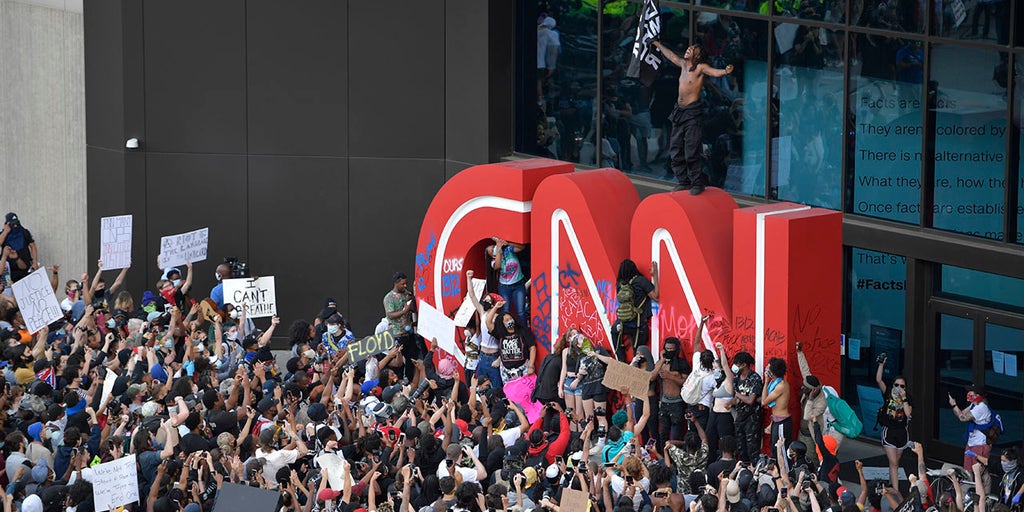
116	242
466	310
108	385
433	324
115	483
184	248
36	300
258	295
335	471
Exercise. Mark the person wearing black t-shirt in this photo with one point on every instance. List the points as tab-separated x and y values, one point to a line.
517	347
632	327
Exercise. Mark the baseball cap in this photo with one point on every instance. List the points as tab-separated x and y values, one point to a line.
463	427
266	403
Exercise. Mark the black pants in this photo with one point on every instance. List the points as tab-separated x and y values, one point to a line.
630	335
685	145
671	421
748	436
720	424
784	428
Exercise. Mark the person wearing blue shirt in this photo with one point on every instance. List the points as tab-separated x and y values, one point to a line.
217	293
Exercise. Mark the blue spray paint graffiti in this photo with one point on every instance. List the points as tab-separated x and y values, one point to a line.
567	276
451	285
541	321
608	296
423	262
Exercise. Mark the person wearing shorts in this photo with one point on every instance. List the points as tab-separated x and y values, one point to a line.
894	417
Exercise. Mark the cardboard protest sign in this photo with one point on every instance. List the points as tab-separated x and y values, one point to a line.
115	483
116	242
519	390
576	501
184	248
335	470
433	324
466	310
36	300
242	498
258	295
620	375
370	345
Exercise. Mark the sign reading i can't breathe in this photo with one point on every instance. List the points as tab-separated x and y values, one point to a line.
257	296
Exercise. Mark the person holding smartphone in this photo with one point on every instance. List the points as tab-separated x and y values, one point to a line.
894	417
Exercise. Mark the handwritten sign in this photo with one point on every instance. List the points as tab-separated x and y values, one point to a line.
370	345
35	297
433	324
466	310
574	500
116	242
184	248
620	375
115	483
258	295
335	470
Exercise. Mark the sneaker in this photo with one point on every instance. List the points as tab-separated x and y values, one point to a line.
682	186
696	190
596	449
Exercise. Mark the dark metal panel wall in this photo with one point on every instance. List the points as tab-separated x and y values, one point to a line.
299	230
195	76
104	110
396	79
297	65
465	78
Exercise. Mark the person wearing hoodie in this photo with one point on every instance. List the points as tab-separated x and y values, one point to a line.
541	444
37	451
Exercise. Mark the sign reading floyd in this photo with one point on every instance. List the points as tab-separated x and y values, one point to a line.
768	276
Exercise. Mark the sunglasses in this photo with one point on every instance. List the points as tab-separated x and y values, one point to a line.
899	385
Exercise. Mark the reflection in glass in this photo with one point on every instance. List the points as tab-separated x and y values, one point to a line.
737	5
558	95
983	287
987	20
634	117
807	151
899	15
970	140
877	307
885	124
1018	117
734	120
953	373
1004	381
833	11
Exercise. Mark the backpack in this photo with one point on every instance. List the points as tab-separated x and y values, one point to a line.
627	310
846	420
691	388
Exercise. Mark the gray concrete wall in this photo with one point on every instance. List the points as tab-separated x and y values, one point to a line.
42	128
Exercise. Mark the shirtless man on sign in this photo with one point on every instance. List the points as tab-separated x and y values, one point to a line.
687	125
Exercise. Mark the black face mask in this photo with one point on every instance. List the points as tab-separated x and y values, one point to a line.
669	355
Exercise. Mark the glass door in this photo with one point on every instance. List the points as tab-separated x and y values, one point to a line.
973	344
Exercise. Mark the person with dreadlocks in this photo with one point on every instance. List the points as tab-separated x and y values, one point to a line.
687	126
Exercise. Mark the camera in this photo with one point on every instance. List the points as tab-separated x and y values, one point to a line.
238	268
419	390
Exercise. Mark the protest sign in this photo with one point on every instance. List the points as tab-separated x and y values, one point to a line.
36	300
518	391
258	295
335	470
370	345
433	324
576	501
620	375
466	310
242	498
115	483
184	248
116	242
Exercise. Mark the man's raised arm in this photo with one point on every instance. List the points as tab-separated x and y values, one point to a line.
715	72
672	57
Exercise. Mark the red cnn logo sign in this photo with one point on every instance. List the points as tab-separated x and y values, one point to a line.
769	276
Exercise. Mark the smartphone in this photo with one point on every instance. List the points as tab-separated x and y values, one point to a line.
401	438
629	480
609	464
449	462
783	492
559	460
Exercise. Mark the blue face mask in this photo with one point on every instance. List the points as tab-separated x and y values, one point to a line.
176	282
169	344
333	329
111	323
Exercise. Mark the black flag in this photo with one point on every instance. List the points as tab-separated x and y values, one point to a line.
646	61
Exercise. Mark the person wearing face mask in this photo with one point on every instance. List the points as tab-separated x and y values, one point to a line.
173	290
720	421
217	293
979	419
748	386
73	292
517	347
336	338
99	291
670	372
25	257
1011	486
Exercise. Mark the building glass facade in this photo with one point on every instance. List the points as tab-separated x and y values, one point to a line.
904	114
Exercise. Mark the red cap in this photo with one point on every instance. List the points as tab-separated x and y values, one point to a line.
463	427
328	494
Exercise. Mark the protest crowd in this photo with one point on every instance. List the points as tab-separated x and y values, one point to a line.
185	388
